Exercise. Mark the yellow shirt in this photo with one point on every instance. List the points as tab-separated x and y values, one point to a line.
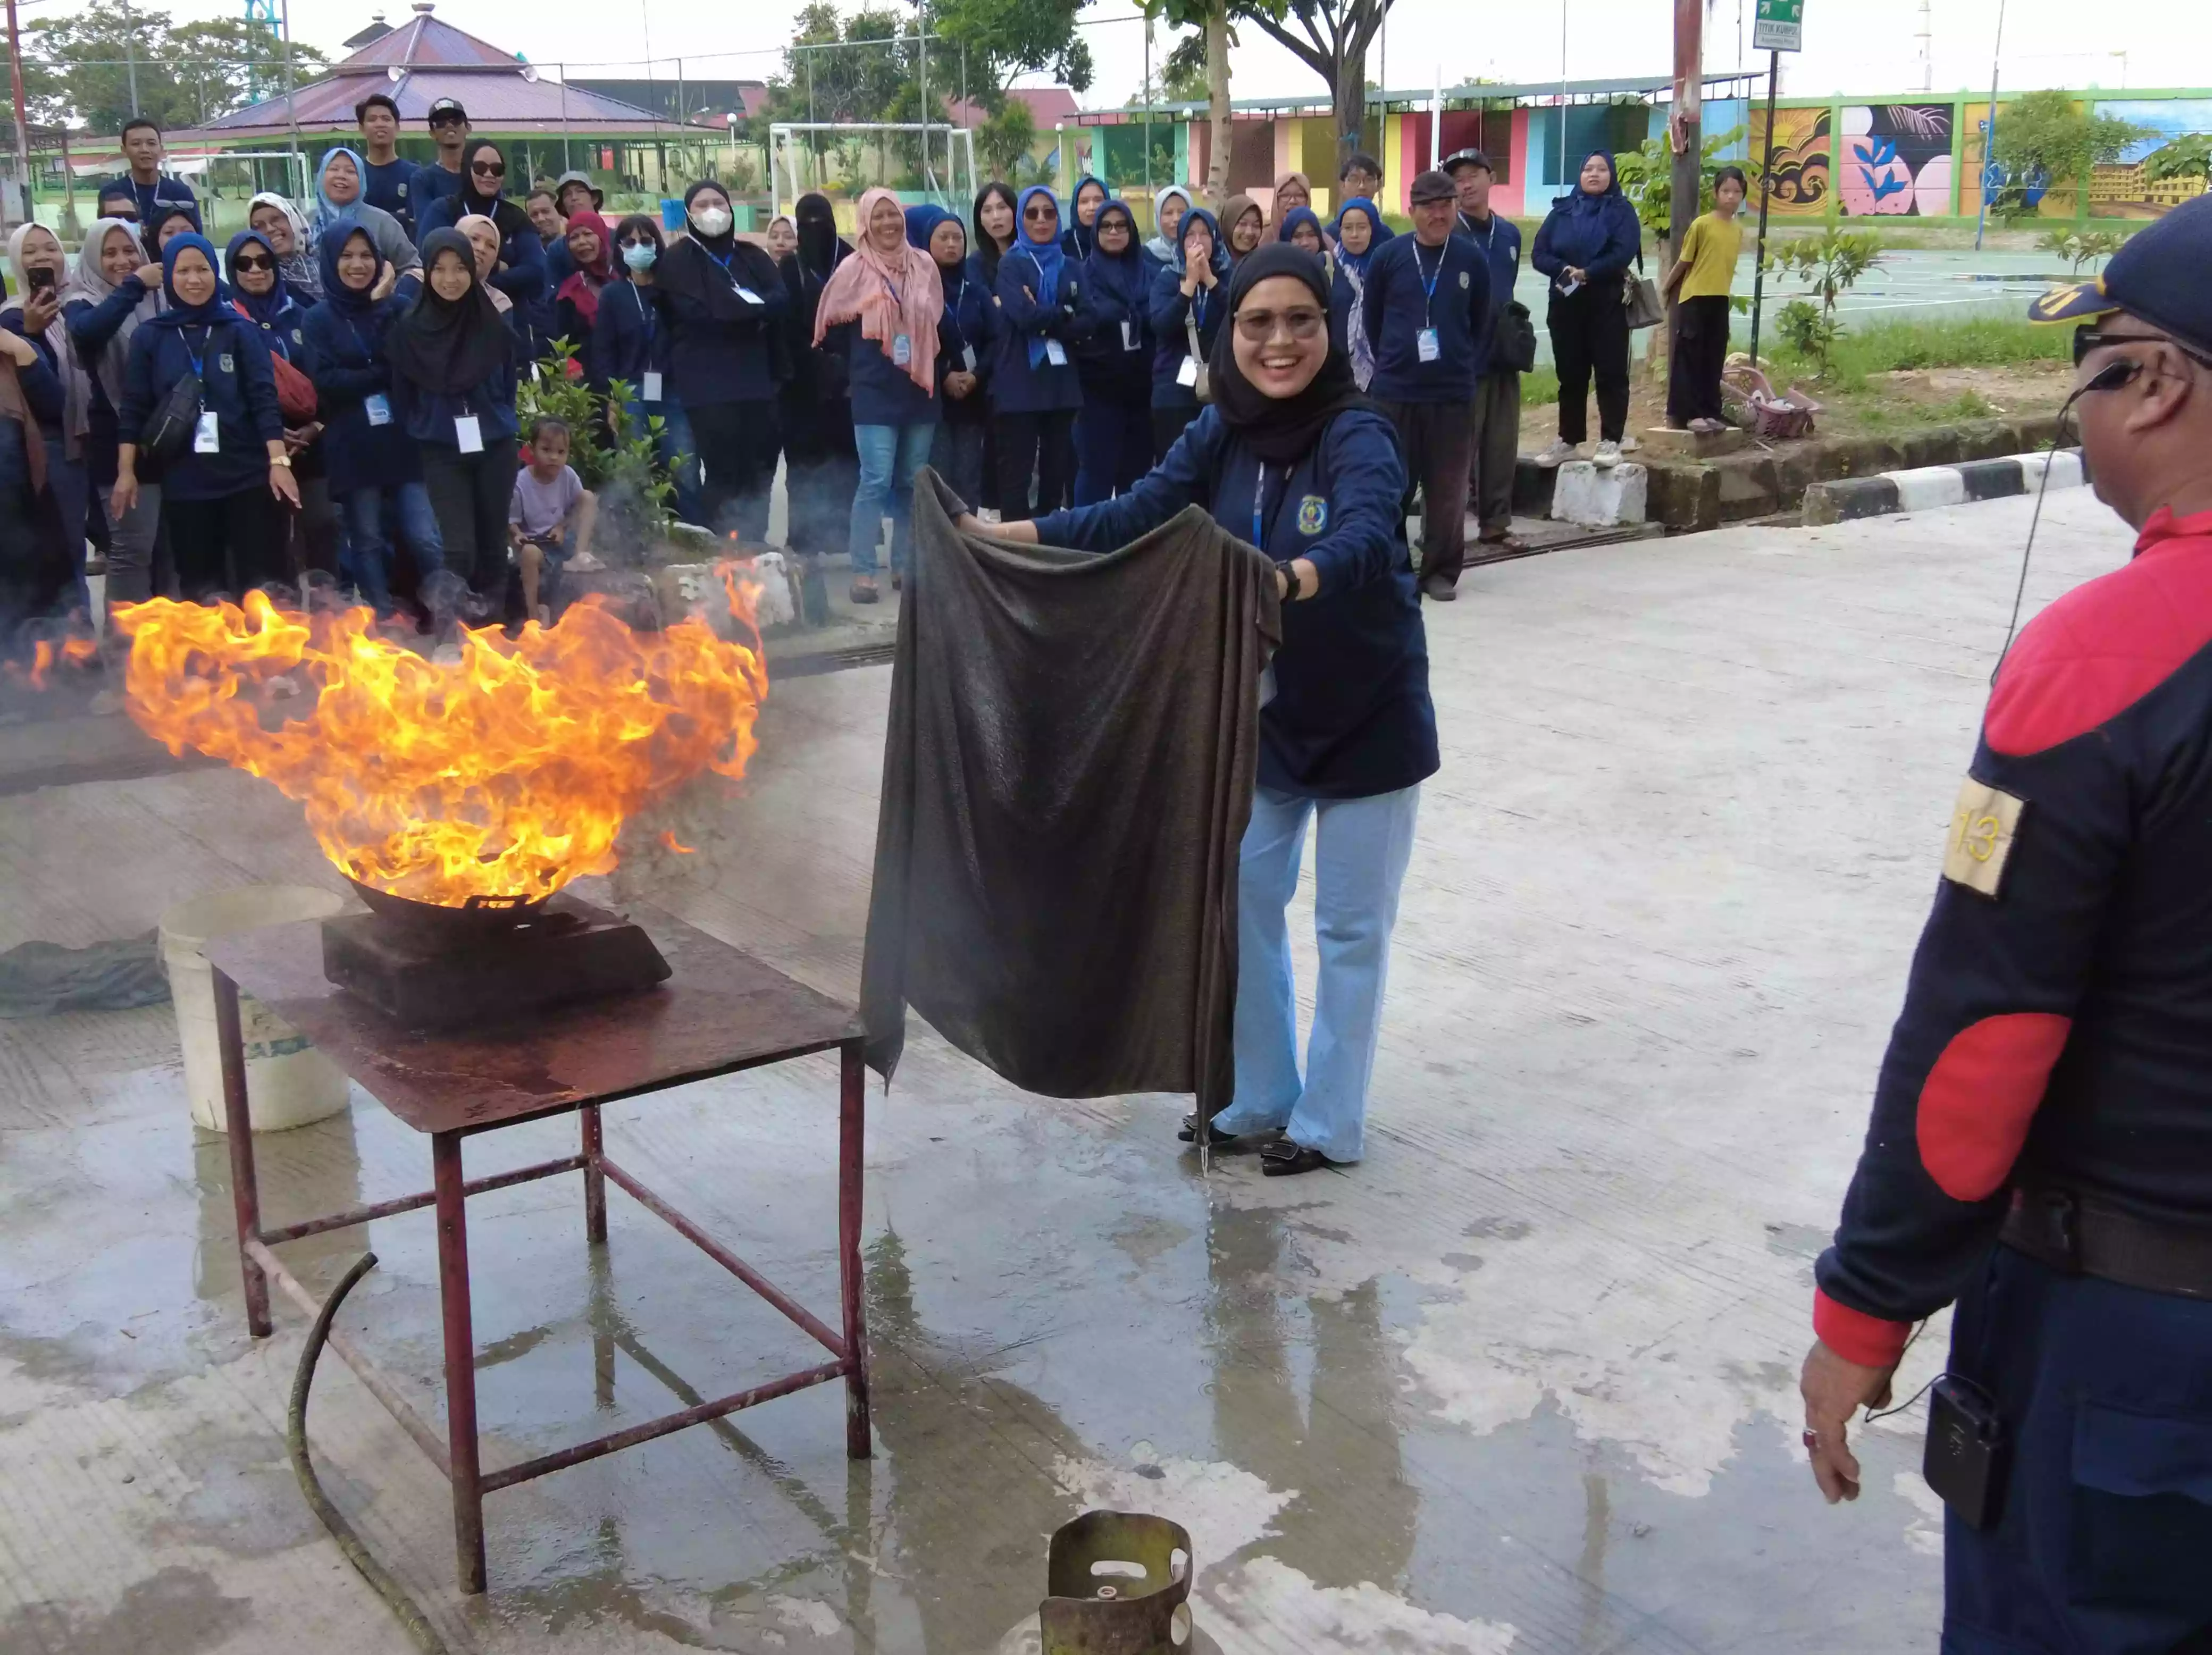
1710	249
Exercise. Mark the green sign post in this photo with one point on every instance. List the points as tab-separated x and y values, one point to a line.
1779	28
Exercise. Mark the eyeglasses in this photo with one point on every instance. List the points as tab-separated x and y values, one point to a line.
1040	215
485	170
255	262
2088	339
1259	326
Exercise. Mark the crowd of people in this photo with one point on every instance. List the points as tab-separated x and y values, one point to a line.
354	410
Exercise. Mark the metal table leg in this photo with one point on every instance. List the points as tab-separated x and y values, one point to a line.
245	1189
595	1182
460	1359
852	1120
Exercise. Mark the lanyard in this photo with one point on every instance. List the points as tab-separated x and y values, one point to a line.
1259	507
1197	309
198	357
644	312
1429	282
952	303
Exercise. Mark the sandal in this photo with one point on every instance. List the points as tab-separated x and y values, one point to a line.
1509	540
1287	1160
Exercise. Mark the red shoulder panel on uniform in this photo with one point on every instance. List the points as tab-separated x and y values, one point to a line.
1977	1103
2105	646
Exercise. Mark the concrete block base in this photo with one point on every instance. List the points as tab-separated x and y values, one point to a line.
1600	499
1664	442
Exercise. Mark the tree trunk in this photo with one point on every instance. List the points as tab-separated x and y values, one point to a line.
1217	93
1351	90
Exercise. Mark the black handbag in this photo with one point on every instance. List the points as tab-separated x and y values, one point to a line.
170	428
1513	345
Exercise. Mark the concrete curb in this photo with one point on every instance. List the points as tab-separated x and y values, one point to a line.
1924	487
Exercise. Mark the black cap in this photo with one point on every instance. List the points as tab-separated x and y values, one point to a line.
446	106
2159	275
1431	187
1468	158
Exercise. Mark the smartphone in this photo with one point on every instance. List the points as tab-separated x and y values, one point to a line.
39	281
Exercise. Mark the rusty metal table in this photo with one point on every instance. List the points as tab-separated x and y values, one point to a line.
720	1010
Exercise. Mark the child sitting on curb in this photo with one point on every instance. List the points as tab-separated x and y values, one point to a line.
549	518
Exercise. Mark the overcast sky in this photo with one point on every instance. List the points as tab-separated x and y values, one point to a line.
1859	46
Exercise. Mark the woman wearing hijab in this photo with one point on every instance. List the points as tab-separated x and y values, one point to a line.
279	222
1081	239
630	344
1301	228
1113	340
725	302
1586	245
962	329
111	292
883	303
995	219
170	219
1291	458
1169	207
1037	390
257	292
576	305
1189	298
452	363
1293	191
224	498
521	270
822	469
1244	226
337	195
37	316
1359	230
34	573
783	237
375	468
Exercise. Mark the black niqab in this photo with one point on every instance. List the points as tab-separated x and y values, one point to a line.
820	248
1280	430
448	347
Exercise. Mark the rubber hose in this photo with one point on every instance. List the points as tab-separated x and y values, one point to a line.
295	1443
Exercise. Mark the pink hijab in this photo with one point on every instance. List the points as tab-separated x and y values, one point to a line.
890	294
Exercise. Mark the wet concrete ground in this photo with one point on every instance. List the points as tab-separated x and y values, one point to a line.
1525	1380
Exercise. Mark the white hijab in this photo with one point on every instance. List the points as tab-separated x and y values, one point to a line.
89	282
76	383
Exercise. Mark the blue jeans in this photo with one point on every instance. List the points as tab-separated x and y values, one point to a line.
365	556
1360	854
891	455
676	450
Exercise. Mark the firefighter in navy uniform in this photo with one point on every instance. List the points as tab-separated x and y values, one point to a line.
2041	1142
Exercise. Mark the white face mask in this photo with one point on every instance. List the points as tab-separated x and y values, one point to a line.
712	221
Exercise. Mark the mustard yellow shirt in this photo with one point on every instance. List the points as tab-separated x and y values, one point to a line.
1710	249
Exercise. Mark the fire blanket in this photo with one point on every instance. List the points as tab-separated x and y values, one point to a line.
1067	774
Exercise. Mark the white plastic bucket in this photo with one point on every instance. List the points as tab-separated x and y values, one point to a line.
287	1082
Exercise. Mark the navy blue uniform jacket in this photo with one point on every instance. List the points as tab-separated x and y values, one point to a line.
965	326
1603	240
2057	1023
237	386
391	187
630	337
1351	716
1401	302
348	367
1171	314
713	360
523	280
882	393
1017	388
1500	241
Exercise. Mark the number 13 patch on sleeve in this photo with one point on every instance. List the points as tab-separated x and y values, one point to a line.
1984	825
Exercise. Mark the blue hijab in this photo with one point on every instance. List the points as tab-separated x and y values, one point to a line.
922	223
1298	215
1075	240
1124	276
263	308
337	296
1381	233
1582	204
179	315
1220	259
328	212
1050	257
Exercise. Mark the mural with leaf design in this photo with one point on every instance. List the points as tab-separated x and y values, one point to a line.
1894	158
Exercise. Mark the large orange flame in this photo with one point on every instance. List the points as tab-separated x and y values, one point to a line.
507	774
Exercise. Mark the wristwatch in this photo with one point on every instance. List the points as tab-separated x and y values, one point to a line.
284	460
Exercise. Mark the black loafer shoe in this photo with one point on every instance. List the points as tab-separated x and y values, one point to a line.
1288	1159
1215	1138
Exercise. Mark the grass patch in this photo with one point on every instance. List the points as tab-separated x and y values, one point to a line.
1540	389
1891	346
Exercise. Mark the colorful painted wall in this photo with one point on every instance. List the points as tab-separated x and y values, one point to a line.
2126	188
1895	159
1803	159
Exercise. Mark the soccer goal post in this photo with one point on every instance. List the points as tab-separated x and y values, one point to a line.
805	155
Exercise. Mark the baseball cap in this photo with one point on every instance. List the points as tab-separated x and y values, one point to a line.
2159	275
1431	187
1468	158
446	106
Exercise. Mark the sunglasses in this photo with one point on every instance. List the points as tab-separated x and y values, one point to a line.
1259	326
636	241
487	171
2088	339
255	262
1040	215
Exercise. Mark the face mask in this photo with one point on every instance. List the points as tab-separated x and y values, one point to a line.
712	221
640	255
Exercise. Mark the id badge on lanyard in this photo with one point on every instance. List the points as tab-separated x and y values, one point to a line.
468	434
